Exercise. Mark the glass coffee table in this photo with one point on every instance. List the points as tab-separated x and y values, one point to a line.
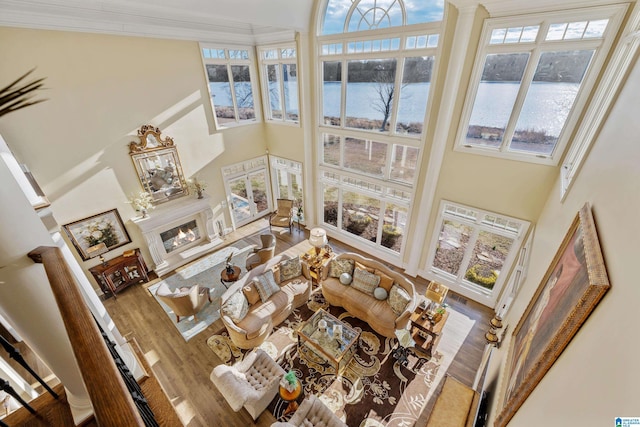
330	338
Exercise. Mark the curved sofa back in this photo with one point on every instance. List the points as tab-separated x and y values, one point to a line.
398	278
250	275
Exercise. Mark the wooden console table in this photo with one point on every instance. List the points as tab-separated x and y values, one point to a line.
120	272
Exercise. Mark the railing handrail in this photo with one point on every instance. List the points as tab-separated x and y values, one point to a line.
112	404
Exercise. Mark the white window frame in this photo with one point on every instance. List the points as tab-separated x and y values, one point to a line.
336	48
292	168
601	46
604	96
250	62
264	75
370	187
457	283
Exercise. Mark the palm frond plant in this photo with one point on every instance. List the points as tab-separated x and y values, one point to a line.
18	94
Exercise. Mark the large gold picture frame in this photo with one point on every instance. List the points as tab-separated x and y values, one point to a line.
573	285
158	165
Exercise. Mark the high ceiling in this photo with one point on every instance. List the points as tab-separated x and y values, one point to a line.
229	21
239	21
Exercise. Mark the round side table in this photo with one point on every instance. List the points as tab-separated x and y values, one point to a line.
227	279
291	397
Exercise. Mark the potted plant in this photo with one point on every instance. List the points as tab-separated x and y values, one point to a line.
197	185
290	381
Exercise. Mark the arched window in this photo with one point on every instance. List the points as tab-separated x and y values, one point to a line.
343	16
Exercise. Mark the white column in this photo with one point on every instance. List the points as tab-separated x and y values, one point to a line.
26	300
459	52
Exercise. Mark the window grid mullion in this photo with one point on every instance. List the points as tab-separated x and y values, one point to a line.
525	85
232	88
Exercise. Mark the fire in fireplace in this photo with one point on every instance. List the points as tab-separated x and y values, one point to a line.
180	236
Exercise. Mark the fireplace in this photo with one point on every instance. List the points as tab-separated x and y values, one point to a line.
178	232
177	237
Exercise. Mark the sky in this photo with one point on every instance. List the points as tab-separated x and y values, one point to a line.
386	12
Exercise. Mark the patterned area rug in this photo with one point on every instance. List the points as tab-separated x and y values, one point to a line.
205	272
373	390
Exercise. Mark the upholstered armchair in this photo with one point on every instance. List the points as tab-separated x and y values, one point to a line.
263	254
283	216
184	301
312	412
251	383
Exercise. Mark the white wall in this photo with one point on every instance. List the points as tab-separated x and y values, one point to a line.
596	378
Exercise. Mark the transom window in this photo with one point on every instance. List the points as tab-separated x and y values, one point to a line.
531	79
279	71
230	76
472	248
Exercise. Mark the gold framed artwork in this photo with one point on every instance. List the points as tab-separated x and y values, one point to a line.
572	287
157	165
106	227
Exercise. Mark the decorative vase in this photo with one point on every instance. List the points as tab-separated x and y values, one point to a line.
144	213
200	194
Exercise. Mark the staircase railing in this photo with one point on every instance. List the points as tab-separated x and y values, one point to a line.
112	403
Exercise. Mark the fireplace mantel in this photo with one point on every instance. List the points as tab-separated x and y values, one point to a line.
173	214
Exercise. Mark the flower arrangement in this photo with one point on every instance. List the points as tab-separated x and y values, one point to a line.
100	231
197	185
142	202
290	381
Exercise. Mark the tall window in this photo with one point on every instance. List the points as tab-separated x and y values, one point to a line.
532	77
374	96
280	81
286	179
230	76
472	248
378	85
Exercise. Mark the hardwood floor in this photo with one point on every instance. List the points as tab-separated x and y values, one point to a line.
183	368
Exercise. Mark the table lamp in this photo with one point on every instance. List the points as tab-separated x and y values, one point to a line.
436	292
98	250
317	239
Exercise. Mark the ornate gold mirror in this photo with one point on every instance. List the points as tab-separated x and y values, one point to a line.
158	165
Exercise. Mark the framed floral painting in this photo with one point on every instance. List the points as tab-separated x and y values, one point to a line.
572	287
105	227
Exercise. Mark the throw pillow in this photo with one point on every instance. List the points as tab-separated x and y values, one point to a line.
251	293
398	299
364	281
365	268
345	278
236	307
380	293
266	285
276	273
290	268
339	266
385	281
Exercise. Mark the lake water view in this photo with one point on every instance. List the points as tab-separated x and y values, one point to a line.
546	107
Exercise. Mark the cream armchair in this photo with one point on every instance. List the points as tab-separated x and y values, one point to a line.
263	254
251	383
312	412
184	301
283	216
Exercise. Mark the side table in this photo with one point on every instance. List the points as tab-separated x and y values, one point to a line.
226	279
291	397
315	265
426	334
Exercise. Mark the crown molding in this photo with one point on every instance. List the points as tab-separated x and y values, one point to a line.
135	20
